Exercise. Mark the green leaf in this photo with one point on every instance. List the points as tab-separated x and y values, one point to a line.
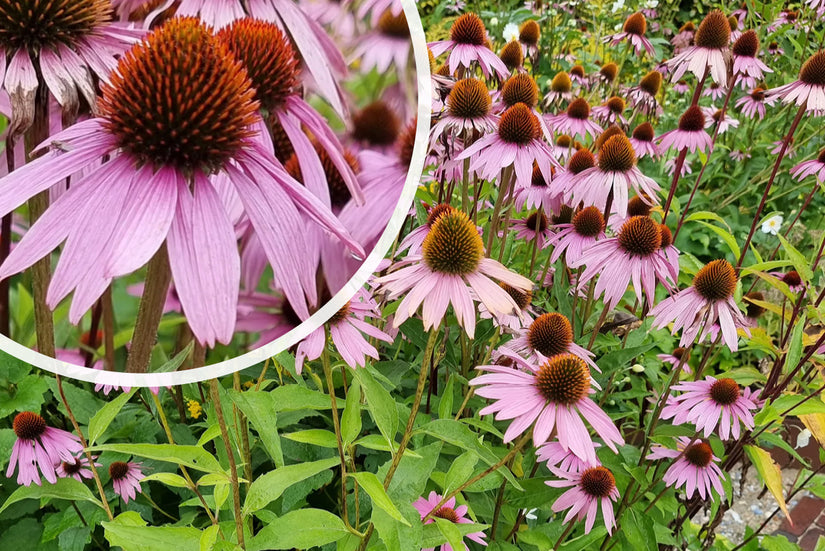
729	240
445	406
460	471
209	537
188	456
769	473
450	531
316	437
126	533
433	536
302	529
805	407
28	396
375	489
64	488
175	362
638	529
259	407
101	420
269	487
800	263
351	416
295	397
380	404
795	346
209	434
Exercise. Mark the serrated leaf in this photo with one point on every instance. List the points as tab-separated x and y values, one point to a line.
380	404
460	471
259	408
64	488
770	474
375	489
269	487
101	420
301	529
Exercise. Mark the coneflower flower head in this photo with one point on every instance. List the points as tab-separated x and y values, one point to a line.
609	72
689	134
711	50
745	62
695	467
126	477
634	29
560	87
642	140
511	54
809	90
575	121
753	310
529	33
518	125
469	99
588	489
39	448
807	168
520	88
468	43
376	125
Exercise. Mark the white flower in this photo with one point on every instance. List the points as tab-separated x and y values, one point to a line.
494	22
617	5
803	439
530	515
772	224
651	4
510	32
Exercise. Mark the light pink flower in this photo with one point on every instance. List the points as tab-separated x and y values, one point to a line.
387	45
695	467
690	134
745	62
448	511
809	90
812	167
575	121
575	238
633	31
710	51
39	449
676	358
643	141
714	116
548	335
555	456
126	477
77	468
467	45
553	395
588	489
712	402
753	105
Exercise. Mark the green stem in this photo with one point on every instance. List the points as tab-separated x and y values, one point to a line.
233	468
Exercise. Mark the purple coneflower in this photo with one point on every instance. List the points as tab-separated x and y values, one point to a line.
643	141
39	448
126	477
681	87
512	55
535	228
449	512
709	301
579	162
548	335
387	45
529	34
710	50
345	329
745	62
413	241
141	196
714	116
613	176
669	250
538	194
552	395
679	356
643	96
695	467
516	321
451	269
684	38
634	255
610	111
670	166
812	167
555	456
468	110
588	489
517	143
712	402
608	73
573	239
753	105
77	467
565	147
575	121
468	44
790	149
560	89
689	134
740	155
521	88
376	8
791	278
634	29
65	46
714	91
267	313
809	90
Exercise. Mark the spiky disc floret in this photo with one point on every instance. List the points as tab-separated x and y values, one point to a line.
589	222
266	55
561	83
637	207
692	120
699	454
469	99
537	178
563	379
28	425
813	70
792	278
609	132
394	25
643	132
635	24
340	315
118	470
511	54
447	513
577	70
713	32
35	24
581	161
578	109
376	124
406	143
724	391
180	99
565	215
529	32
518	125
747	45
550	334
615	104
609	71
617	155
716	280
640	235
453	245
597	482
520	88
651	82
468	29
521	298
435	213
537	221
71	468
753	310
667	236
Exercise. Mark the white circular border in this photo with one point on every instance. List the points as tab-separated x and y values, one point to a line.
316	320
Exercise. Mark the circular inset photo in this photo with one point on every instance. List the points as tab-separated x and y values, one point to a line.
188	187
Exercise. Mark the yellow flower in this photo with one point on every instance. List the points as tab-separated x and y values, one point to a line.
248	384
195	409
